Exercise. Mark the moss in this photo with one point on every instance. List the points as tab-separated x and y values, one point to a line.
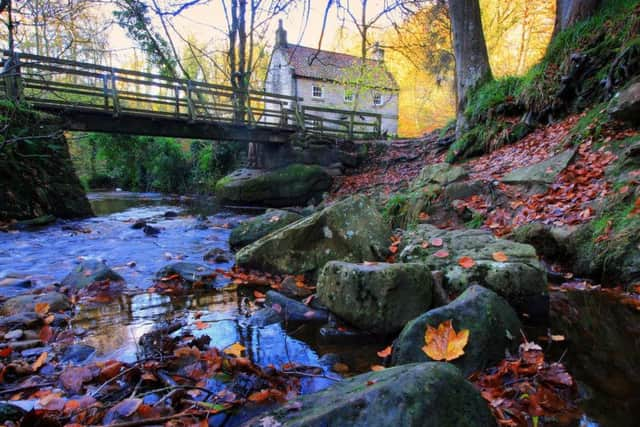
476	221
492	94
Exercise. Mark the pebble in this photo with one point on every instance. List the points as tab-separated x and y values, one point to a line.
16	334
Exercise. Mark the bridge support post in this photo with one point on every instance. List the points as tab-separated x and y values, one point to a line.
12	78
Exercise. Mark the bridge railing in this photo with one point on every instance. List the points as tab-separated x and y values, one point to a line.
54	83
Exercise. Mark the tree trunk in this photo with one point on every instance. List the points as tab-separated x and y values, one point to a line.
472	60
568	12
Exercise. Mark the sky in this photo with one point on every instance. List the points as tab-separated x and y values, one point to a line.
206	23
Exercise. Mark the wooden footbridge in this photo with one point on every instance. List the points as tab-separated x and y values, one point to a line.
96	98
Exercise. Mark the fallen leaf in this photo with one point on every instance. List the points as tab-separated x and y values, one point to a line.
377	368
258	295
41	308
436	241
441	254
340	368
259	396
235	349
466	262
424	245
385	353
201	325
444	343
6	352
500	256
40	361
557	338
46	333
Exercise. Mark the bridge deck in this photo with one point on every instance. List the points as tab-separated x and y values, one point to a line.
103	99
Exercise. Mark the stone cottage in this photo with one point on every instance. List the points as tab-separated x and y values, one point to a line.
330	80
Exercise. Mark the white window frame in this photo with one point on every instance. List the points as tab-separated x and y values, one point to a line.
320	90
348	97
377	99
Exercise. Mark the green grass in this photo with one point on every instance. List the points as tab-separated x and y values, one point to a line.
491	95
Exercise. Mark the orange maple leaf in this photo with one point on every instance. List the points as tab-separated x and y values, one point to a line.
41	308
500	256
385	353
466	262
444	343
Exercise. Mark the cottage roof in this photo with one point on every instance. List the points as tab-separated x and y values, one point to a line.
333	66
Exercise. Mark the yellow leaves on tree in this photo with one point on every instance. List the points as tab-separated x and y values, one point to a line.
444	343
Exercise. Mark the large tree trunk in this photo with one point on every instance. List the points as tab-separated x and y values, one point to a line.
568	12
472	60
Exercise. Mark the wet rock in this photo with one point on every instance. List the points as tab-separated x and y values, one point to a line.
419	395
550	242
294	311
340	335
15	282
27	303
150	230
170	214
351	230
40	221
77	353
189	272
60	320
25	320
493	328
217	255
36	351
253	229
625	105
139	224
292	185
264	317
88	272
542	173
463	190
16	334
379	297
25	344
521	279
289	286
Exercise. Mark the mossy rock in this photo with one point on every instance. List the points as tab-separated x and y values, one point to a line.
351	230
521	279
417	395
292	185
439	173
253	229
379	298
493	328
90	271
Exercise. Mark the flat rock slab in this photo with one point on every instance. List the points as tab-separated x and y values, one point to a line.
376	297
27	303
520	279
253	229
493	328
417	395
542	173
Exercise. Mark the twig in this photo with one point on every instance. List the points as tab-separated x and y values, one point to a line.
159	420
109	381
25	387
304	374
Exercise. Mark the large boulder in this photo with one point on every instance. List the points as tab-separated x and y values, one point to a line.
27	303
292	185
351	230
376	297
493	328
419	395
253	229
625	105
542	173
90	271
520	279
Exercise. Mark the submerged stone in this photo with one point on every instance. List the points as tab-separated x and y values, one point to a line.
88	272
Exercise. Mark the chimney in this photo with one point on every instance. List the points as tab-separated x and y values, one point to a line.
281	35
378	52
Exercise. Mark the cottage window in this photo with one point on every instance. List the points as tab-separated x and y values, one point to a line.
377	99
316	91
348	97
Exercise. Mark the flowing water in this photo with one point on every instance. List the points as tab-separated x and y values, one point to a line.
46	255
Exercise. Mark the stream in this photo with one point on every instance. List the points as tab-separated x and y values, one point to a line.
47	255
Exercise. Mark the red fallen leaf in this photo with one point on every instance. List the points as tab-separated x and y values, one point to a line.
53	402
201	325
423	216
259	396
110	369
258	294
393	249
466	262
6	352
385	353
436	241
46	333
124	409
441	254
500	256
376	368
148	411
